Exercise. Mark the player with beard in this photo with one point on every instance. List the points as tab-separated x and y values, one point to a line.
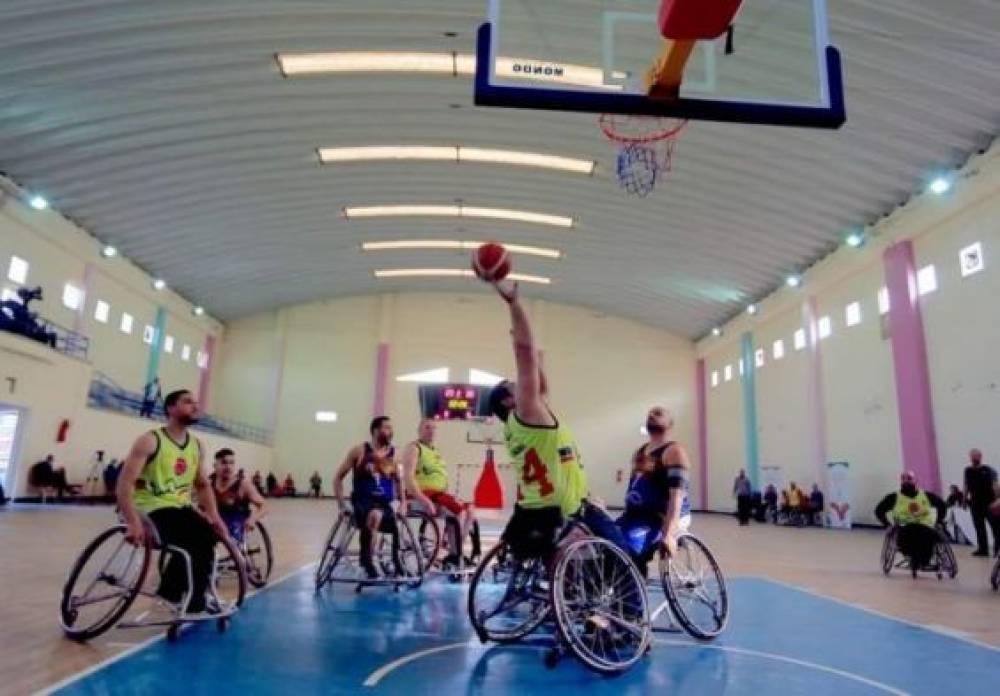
160	472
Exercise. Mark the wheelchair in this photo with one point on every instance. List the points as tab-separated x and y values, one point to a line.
339	563
256	549
995	576
431	538
111	574
595	595
942	562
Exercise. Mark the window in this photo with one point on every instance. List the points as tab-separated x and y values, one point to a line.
825	327
741	367
186	353
715	378
728	372
852	314
102	310
148	334
482	378
72	297
127	322
202	360
970	259
927	280
326	416
883	300
800	339
439	375
18	270
758	358
9	293
168	344
778	349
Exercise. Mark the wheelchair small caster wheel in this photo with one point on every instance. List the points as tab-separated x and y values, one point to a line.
360	586
552	658
222	625
173	632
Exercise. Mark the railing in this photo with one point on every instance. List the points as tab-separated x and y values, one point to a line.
59	338
105	393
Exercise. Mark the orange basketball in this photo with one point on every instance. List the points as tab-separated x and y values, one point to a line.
491	262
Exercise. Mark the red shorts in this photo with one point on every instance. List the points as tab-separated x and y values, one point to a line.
447	501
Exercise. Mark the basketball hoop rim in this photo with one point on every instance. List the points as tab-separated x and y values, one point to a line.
606	123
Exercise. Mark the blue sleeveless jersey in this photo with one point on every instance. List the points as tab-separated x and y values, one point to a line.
648	492
369	482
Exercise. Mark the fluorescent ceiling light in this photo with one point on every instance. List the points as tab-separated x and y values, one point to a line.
38	202
940	185
452	273
438	375
326	416
450	244
457	211
452	153
453	64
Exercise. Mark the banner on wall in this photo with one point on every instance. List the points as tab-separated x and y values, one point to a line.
839	496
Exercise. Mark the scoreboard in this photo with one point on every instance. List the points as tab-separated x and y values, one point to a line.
452	401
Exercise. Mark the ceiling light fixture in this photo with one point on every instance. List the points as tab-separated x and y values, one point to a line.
159	284
452	153
38	202
456	211
451	244
793	281
109	252
451	273
940	185
855	240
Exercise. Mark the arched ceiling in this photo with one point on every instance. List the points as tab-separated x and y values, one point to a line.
166	129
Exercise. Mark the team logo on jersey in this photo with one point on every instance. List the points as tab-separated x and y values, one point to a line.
180	466
566	454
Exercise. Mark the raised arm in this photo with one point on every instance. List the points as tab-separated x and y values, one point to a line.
410	457
142	450
529	405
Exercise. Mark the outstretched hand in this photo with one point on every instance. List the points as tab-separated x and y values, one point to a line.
508	293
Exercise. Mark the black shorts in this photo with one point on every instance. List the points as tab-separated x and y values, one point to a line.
532	532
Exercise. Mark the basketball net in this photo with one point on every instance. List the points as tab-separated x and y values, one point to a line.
645	148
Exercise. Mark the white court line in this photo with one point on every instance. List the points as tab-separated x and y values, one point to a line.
136	647
378	675
950	632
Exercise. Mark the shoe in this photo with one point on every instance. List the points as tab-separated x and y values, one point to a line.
981	554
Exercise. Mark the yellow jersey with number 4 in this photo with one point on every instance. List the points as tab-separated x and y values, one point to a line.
546	464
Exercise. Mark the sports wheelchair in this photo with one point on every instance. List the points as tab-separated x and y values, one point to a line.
111	574
942	562
339	563
258	553
596	596
433	538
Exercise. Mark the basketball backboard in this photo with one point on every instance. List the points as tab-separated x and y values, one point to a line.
596	56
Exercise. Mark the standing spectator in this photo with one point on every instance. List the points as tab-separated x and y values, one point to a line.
816	503
110	476
771	502
272	483
151	395
289	486
258	482
980	489
45	474
742	491
316	484
955	497
3	495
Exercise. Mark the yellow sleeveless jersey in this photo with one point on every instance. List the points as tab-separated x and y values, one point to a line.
547	466
916	510
432	472
167	478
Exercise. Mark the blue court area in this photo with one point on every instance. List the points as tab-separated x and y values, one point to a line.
290	640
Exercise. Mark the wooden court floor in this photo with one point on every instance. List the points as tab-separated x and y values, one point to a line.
40	542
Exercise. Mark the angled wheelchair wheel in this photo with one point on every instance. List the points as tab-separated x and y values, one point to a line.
947	563
258	555
695	588
888	551
506	598
334	550
103	583
229	582
600	605
411	554
428	535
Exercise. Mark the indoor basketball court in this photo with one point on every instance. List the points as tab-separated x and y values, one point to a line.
503	346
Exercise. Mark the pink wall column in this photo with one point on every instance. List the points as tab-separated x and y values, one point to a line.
205	383
909	358
701	398
381	379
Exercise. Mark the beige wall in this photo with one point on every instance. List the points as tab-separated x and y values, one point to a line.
59	252
48	387
604	373
962	330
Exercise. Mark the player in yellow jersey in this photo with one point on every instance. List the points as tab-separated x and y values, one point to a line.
160	472
426	474
551	483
